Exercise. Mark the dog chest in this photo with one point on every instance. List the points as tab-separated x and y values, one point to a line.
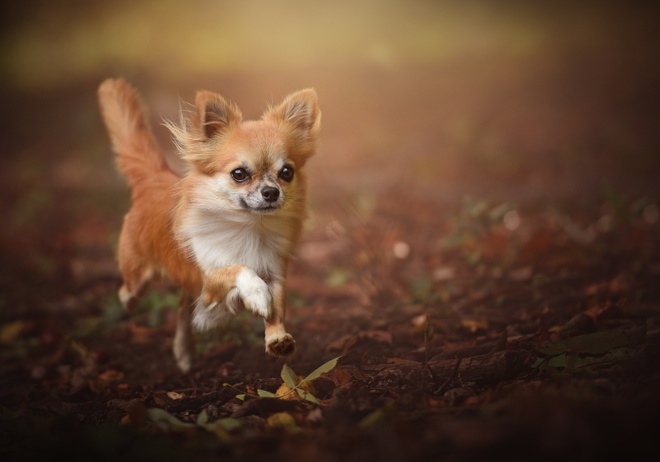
261	243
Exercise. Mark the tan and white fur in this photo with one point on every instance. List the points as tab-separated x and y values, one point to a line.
225	230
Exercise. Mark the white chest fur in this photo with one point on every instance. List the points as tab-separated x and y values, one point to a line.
217	240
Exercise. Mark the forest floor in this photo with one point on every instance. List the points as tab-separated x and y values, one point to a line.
482	257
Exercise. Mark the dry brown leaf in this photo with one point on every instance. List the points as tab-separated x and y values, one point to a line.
140	334
340	377
286	392
111	375
474	325
349	341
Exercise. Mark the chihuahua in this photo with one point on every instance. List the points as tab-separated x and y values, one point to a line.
225	230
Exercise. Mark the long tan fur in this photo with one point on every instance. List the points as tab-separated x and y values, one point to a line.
126	118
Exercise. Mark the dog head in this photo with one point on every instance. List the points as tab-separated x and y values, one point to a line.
254	166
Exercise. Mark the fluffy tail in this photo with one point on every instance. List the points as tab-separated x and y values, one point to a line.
125	117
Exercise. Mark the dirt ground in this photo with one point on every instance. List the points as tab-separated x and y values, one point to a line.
482	255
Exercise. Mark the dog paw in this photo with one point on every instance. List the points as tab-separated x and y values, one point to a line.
254	293
128	300
280	345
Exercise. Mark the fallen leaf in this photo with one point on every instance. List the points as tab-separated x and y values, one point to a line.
285	391
349	341
203	417
594	344
136	413
111	375
339	277
420	320
9	332
378	416
165	420
340	377
401	361
282	420
222	427
265	394
444	273
521	274
328	366
474	325
140	334
579	324
289	377
315	416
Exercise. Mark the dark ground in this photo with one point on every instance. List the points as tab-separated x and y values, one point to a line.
483	254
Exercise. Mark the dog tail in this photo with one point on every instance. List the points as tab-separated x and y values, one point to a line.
126	119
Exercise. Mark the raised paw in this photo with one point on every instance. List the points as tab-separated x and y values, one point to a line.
254	293
281	345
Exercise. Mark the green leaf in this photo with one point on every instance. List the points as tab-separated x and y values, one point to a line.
594	344
338	277
322	369
11	331
241	396
559	361
373	418
283	420
222	427
307	396
203	417
265	394
379	416
166	420
574	362
228	423
219	431
289	377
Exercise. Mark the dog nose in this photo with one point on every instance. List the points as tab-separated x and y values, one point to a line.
270	194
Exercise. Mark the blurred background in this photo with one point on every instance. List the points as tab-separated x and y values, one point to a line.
424	102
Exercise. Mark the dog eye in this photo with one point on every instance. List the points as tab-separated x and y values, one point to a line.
239	175
286	174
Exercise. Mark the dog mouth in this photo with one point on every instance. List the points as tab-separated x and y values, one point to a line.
260	209
267	209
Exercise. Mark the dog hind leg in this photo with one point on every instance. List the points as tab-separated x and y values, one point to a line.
134	282
183	339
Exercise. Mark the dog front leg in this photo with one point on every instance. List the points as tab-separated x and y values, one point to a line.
278	341
238	282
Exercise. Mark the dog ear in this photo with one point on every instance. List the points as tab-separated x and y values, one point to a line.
214	114
300	117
